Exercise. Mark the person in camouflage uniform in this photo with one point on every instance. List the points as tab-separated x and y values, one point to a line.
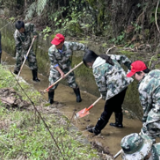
60	54
22	36
112	84
0	49
149	95
139	147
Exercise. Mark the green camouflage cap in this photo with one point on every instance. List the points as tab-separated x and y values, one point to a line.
135	147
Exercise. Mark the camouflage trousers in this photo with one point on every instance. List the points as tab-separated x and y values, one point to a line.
32	62
152	125
55	75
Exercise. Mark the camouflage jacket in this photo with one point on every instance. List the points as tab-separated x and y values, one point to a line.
23	40
156	151
111	80
149	94
63	59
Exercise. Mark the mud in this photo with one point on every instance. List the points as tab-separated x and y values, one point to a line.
108	142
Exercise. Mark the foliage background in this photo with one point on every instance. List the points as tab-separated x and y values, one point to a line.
118	21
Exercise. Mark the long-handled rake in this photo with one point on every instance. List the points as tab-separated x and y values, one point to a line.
85	111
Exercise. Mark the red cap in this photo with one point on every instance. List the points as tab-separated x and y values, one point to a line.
59	38
136	66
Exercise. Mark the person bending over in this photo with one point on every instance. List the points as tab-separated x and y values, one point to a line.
60	54
112	84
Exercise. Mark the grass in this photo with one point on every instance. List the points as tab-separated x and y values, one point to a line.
24	135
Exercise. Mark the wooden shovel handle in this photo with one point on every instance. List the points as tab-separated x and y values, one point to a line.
46	90
118	153
94	103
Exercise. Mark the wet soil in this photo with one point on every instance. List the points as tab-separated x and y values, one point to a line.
109	140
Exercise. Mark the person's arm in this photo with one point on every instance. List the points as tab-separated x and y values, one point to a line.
144	99
122	59
54	62
75	46
60	71
147	96
18	44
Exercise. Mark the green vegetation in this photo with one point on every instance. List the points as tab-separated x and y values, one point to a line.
110	19
9	80
23	133
119	39
46	32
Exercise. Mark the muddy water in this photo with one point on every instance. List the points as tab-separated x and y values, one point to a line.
110	136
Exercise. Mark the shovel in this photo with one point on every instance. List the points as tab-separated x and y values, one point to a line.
47	90
26	56
85	111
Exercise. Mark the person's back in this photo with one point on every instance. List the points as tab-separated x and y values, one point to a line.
151	81
114	76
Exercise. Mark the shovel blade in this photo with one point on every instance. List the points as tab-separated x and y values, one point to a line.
82	113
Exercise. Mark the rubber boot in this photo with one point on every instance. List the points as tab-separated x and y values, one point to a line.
101	123
78	95
51	97
34	73
118	120
16	72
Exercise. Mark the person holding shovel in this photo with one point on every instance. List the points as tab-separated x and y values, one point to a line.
60	54
112	84
22	36
149	95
